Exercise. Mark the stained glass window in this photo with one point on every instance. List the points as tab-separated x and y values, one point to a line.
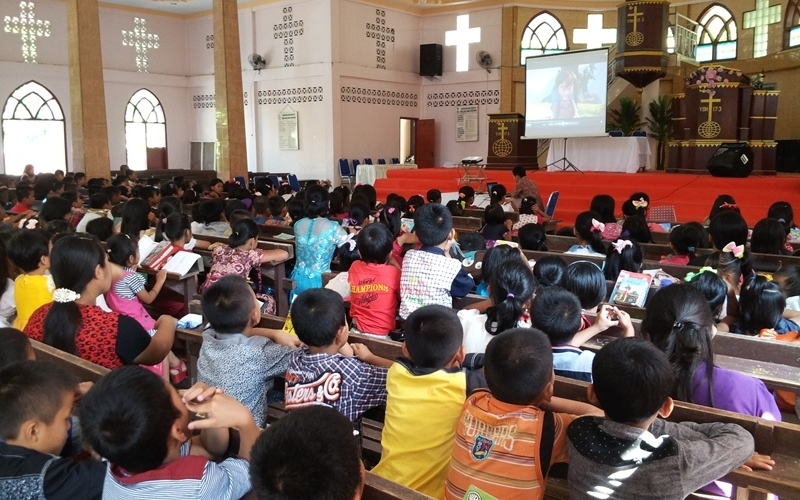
716	35
793	24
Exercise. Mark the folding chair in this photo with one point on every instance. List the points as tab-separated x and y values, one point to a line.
345	173
395	161
381	161
368	161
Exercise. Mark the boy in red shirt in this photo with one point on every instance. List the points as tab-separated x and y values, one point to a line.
374	284
25	200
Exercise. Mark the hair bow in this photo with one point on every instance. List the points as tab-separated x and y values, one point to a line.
640	203
411	209
462	195
65	295
620	245
736	250
390	210
598	226
729	206
348	240
691	276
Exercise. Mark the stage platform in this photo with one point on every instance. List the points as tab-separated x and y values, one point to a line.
692	195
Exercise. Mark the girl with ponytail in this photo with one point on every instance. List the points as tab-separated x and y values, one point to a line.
511	288
679	321
74	324
589	231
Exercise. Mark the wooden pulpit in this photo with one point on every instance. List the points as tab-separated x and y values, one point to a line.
507	148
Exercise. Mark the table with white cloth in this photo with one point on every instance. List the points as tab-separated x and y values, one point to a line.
368	174
601	154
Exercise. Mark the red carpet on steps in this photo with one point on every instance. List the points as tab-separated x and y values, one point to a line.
691	195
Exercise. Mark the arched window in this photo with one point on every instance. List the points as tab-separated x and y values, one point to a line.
543	35
792	24
33	130
716	35
145	132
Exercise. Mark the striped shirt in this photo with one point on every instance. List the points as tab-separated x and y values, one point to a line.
502	449
192	477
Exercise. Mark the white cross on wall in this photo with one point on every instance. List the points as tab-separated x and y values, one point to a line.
760	19
461	37
30	29
142	40
594	35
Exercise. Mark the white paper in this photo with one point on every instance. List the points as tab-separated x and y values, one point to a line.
181	263
146	245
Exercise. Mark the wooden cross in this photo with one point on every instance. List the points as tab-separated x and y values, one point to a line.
141	40
635	15
30	29
710	101
759	20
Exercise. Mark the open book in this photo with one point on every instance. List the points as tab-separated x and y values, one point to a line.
631	288
157	256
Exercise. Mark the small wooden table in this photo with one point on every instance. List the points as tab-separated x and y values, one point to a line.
477	175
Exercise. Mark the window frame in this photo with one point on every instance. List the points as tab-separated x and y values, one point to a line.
155	102
543	50
702	30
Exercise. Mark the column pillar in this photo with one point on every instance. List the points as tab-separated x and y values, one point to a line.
86	90
231	143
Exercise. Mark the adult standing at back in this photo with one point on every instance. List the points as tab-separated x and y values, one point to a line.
316	238
525	187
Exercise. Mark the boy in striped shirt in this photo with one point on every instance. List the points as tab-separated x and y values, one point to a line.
508	437
140	424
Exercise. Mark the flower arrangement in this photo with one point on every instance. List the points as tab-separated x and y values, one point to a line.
757	80
708	77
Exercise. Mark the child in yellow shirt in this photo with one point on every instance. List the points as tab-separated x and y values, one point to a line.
29	250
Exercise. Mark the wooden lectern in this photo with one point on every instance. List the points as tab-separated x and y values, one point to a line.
507	148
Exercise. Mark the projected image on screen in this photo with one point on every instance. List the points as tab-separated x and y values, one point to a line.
565	94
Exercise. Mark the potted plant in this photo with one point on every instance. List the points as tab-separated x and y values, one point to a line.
627	118
660	125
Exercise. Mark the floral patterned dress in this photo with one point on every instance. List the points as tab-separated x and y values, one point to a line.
226	260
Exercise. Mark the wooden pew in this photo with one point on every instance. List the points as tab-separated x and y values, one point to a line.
467	224
377	488
275	271
679	272
84	371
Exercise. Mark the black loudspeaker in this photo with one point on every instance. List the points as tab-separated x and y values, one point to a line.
430	59
732	159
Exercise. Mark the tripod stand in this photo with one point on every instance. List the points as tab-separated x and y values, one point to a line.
564	161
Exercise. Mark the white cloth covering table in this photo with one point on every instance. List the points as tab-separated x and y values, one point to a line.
601	154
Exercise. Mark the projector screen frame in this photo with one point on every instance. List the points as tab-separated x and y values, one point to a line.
570	131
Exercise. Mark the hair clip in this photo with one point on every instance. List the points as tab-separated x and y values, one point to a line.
65	295
691	249
411	209
349	240
462	195
510	296
729	206
621	245
640	203
390	210
736	250
691	276
677	325
598	226
164	220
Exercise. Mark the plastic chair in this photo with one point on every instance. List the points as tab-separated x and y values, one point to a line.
368	161
241	180
615	133
639	133
345	173
395	161
551	204
294	183
381	161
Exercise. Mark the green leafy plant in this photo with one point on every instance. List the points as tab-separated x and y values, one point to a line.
627	118
659	123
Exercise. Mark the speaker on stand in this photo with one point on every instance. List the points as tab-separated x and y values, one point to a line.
732	159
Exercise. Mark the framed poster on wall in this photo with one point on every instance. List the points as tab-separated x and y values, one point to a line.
466	123
287	131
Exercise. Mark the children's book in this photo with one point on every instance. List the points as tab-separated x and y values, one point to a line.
631	288
181	263
407	225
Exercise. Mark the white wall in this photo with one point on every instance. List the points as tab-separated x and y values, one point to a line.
167	77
